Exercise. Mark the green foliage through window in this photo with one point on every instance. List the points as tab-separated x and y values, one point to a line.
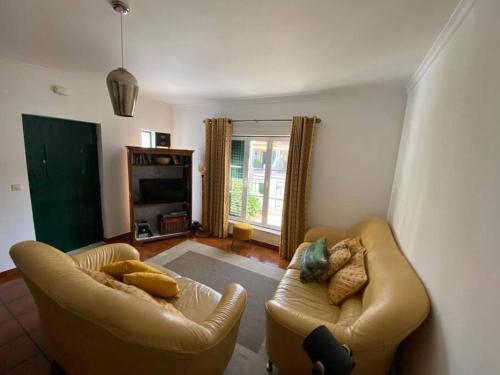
254	207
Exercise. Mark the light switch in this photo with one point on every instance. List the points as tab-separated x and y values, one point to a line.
15	187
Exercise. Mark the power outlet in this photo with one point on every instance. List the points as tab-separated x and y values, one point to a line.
15	187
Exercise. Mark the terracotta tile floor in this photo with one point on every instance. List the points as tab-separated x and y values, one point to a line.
22	350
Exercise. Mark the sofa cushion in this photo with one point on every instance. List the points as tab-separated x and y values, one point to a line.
338	257
297	257
118	269
314	262
299	253
340	254
349	279
309	299
107	280
156	284
355	245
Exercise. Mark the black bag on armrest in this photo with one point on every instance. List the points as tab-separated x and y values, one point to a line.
320	345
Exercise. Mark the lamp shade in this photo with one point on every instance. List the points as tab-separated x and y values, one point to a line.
123	90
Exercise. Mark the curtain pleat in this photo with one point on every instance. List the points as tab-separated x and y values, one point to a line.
297	186
215	199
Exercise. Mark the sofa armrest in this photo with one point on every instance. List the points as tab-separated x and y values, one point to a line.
227	313
99	256
332	235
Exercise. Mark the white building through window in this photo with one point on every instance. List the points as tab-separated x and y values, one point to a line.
258	174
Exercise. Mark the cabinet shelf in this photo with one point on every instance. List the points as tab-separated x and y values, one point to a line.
136	204
161	165
157	237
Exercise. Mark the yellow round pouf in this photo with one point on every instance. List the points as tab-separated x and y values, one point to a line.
242	231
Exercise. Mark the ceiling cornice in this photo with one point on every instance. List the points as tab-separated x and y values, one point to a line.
456	19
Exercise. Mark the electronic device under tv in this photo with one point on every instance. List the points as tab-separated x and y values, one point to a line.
162	190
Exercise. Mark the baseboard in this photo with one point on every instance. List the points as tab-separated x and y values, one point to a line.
125	237
9	275
259	243
264	244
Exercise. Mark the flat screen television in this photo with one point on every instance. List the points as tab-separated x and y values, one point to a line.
162	190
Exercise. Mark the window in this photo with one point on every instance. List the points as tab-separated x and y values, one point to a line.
147	138
258	174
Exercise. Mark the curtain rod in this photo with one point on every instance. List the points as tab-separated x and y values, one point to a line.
318	120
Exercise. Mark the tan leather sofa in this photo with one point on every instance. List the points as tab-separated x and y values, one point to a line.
92	329
372	323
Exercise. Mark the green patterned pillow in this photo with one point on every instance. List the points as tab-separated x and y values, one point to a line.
314	261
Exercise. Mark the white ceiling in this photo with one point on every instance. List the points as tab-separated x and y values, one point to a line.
185	49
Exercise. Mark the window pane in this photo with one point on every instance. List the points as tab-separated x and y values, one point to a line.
236	182
277	182
146	138
256	180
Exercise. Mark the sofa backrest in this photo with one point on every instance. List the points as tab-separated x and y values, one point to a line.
394	302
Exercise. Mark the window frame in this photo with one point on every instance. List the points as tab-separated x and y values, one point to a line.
267	179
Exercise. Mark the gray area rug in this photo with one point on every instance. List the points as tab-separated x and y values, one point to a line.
217	268
217	275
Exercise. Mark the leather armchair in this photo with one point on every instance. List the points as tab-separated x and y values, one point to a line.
372	323
92	329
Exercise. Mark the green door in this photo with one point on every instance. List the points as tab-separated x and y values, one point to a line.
63	173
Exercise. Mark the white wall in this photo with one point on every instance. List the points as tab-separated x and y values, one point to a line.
355	145
26	89
445	208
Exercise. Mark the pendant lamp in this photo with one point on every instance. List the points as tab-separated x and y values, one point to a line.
122	85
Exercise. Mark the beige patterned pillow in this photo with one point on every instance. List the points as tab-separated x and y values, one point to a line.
337	259
349	279
355	245
340	254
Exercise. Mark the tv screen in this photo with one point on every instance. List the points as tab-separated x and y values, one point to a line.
162	190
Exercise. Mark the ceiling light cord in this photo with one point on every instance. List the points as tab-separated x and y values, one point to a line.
121	33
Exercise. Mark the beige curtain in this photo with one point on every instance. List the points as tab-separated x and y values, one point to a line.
215	200
293	222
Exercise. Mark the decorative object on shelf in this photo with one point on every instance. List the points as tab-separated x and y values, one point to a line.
122	85
162	139
173	222
143	229
163	160
175	159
